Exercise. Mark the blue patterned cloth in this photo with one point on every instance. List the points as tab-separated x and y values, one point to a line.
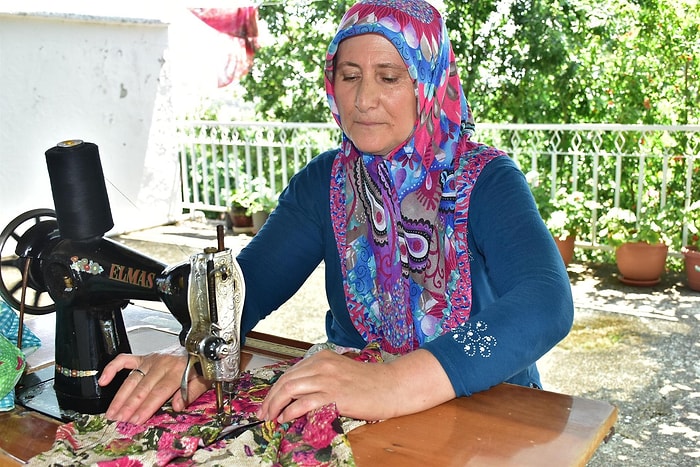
9	371
395	215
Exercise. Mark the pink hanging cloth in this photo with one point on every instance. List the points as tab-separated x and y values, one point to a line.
241	26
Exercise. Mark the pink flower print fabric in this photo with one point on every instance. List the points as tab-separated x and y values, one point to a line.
196	437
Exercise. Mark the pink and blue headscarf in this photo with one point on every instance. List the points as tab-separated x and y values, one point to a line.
394	215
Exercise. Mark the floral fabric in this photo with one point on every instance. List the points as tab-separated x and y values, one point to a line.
197	436
394	216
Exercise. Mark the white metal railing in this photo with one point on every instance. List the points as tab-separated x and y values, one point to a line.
216	157
591	158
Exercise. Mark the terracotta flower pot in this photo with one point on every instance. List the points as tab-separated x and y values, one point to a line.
259	218
692	266
241	220
238	221
641	263
566	248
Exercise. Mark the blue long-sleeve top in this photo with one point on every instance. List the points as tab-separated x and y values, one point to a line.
521	295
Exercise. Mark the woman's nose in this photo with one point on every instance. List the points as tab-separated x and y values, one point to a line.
367	95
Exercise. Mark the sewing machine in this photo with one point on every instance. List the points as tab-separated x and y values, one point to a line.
62	263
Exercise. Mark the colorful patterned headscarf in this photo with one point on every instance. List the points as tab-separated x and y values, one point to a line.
394	216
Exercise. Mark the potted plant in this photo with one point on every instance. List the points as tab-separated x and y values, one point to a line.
237	217
569	215
640	241
257	198
565	214
691	250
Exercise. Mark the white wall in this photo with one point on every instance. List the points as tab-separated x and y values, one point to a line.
100	79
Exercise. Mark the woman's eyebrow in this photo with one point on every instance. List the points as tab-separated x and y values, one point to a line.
347	63
388	65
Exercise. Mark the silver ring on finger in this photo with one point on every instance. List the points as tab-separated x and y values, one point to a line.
137	371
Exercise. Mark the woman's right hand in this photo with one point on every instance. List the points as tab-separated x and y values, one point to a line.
145	391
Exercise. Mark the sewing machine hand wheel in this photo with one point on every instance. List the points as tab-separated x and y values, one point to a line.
37	299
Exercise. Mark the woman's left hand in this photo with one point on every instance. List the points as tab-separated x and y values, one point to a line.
366	391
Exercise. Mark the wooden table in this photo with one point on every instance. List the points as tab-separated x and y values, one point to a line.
506	425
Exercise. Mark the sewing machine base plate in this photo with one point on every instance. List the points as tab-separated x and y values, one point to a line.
35	391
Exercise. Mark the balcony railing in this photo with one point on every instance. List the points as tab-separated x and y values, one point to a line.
217	157
613	165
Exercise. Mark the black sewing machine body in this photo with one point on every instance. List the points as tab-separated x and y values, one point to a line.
90	279
90	282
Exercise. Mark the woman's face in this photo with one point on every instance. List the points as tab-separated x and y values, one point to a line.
374	94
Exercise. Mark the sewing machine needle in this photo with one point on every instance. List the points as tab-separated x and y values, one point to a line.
218	386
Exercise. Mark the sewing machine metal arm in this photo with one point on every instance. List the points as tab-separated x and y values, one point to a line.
216	293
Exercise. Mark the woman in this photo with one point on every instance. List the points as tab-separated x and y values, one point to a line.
432	243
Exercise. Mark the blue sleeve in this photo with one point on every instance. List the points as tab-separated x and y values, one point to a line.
522	302
297	236
289	246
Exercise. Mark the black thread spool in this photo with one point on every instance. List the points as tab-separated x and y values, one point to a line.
79	191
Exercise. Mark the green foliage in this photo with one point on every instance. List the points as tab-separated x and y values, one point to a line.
653	223
691	218
565	213
223	158
254	195
286	81
518	58
612	169
578	61
571	213
565	61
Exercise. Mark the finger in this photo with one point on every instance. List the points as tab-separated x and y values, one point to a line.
139	398
195	388
286	391
267	410
289	387
302	406
162	382
124	403
120	362
146	399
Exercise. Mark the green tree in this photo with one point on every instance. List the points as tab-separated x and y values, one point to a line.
471	36
532	61
286	81
518	58
644	62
